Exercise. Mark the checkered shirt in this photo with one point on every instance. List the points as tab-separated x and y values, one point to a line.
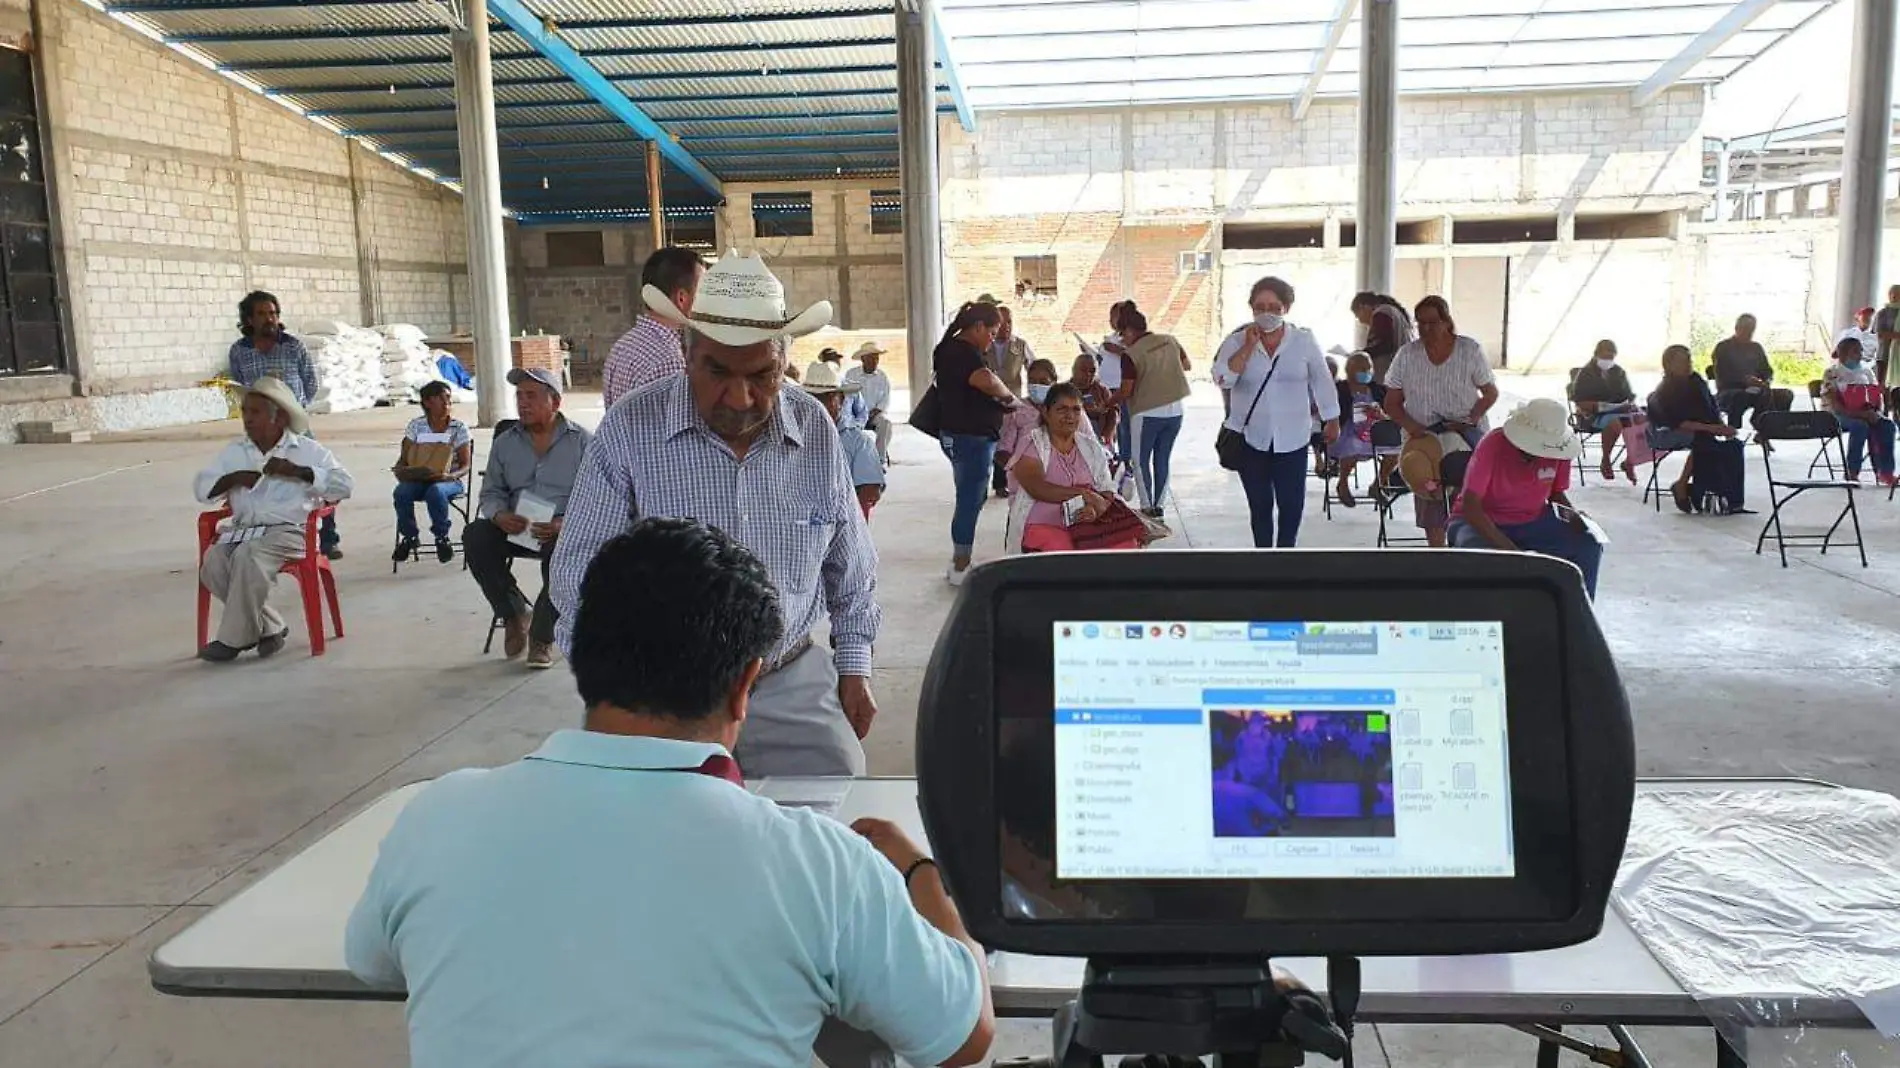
790	501
286	359
647	353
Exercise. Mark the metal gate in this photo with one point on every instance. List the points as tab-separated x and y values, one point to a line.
30	340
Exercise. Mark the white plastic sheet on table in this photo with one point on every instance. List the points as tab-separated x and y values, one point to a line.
1775	909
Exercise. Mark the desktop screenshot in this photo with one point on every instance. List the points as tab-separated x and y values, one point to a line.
1270	750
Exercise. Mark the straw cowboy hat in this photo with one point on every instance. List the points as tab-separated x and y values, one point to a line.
738	303
869	348
1542	428
273	389
822	378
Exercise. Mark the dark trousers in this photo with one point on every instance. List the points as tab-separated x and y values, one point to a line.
489	552
999	475
1736	403
1273	479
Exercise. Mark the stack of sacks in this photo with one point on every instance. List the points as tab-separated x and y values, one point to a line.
408	363
349	365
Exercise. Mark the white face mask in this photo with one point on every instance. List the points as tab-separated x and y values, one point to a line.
1268	321
1604	365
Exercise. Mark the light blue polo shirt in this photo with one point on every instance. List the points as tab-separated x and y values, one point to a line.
579	908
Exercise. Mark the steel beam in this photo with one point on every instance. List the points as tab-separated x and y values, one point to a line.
1701	47
947	63
439	59
1335	33
331	33
673	98
547	40
313	88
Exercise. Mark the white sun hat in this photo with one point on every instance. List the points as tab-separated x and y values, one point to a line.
739	302
273	389
1542	428
821	378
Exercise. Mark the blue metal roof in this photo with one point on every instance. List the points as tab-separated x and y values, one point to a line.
734	90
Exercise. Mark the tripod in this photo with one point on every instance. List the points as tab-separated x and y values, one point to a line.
1168	1013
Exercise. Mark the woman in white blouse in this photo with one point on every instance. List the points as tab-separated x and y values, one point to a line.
1439	384
1278	378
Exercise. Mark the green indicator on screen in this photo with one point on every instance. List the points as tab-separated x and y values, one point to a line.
1375	724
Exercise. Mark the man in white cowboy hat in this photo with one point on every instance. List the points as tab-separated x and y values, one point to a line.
730	445
860	454
854	412
1514	492
875	388
273	478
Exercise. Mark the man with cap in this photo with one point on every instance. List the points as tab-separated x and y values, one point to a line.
860	454
731	445
875	390
1514	493
272	478
531	470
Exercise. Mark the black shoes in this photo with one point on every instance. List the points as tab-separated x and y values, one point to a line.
444	550
405	549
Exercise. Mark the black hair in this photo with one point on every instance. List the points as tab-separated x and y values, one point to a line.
1116	311
1132	319
972	313
1045	365
1366	298
248	307
1059	391
437	388
1278	287
671	269
671	614
1846	344
1437	304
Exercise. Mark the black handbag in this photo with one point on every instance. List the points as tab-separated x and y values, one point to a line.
1230	444
927	414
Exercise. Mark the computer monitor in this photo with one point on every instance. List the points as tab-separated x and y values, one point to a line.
1297	753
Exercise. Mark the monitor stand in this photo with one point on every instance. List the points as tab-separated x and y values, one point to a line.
1231	1010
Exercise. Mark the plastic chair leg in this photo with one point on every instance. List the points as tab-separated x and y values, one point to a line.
312	607
204	615
329	594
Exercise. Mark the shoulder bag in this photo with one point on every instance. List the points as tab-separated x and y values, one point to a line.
1230	444
927	414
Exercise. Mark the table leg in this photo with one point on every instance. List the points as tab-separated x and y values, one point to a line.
1728	1055
1547	1051
1633	1055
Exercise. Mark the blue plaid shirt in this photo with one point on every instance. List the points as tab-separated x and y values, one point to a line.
287	360
790	501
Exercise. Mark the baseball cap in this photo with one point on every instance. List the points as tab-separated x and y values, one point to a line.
539	374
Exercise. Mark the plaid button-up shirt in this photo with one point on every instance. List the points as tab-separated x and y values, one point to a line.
286	360
790	501
647	353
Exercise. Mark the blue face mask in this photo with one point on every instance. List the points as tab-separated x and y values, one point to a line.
1364	378
1852	365
1038	393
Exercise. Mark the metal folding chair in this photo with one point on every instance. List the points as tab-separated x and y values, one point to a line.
460	504
1804	426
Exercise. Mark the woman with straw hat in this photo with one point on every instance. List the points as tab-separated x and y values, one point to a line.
1514	492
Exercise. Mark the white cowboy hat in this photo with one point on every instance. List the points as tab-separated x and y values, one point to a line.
739	302
869	348
822	378
1542	428
273	389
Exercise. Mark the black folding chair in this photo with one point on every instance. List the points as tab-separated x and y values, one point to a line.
1804	426
1387	440
459	504
1584	426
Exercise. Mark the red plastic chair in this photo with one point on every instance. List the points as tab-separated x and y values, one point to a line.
311	572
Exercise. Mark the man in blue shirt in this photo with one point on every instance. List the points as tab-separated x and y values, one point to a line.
267	349
619	897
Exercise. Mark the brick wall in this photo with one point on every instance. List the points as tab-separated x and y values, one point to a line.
178	191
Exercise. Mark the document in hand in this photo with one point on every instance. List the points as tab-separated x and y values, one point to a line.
534	510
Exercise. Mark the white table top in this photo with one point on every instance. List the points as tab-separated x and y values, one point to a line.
283	937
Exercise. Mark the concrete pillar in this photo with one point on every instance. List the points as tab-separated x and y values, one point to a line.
481	208
1377	235
656	197
1721	183
1864	162
917	182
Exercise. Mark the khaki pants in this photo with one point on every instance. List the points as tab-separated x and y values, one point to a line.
880	428
796	727
241	576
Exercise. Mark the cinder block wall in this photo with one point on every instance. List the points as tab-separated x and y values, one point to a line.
175	192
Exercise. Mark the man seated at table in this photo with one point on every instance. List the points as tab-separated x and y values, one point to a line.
531	470
272	478
619	897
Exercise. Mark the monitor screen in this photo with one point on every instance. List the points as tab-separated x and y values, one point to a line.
1250	750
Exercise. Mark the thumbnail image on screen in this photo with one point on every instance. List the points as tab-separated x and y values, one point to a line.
1301	774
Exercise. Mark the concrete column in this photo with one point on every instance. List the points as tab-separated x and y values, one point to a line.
481	207
1864	162
917	170
1721	183
1378	143
656	197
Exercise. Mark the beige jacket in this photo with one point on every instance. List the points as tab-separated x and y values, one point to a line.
1159	377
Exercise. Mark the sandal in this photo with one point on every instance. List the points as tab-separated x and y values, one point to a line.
1345	496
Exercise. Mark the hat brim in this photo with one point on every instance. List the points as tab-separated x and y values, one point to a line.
1528	440
845	388
809	321
298	418
518	375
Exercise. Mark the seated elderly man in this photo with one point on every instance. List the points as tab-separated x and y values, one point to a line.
531	470
875	394
272	478
619	897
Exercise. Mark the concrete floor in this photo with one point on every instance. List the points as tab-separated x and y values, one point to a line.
139	787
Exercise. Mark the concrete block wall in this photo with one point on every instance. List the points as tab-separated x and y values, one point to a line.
176	191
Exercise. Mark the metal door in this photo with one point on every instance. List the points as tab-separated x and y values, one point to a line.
30	341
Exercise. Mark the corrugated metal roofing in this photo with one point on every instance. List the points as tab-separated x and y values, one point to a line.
805	89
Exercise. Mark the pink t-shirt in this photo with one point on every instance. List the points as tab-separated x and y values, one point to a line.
1071	469
1514	486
